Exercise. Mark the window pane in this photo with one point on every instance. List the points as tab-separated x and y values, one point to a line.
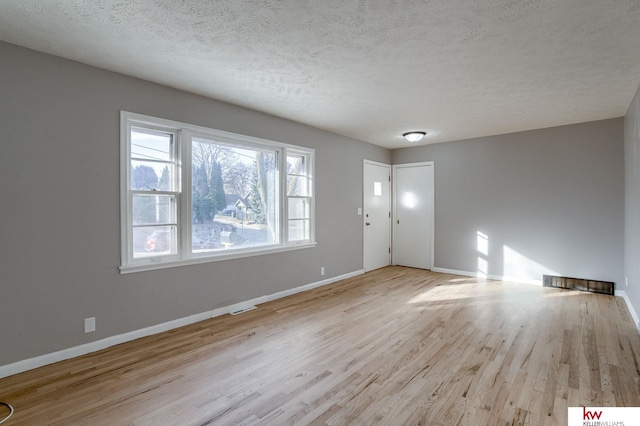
298	208
154	241
298	230
154	209
377	189
296	165
147	175
234	193
297	185
151	145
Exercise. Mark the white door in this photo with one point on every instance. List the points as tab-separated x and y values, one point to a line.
413	215
377	215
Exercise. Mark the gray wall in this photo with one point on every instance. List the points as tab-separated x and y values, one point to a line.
549	200
632	202
59	215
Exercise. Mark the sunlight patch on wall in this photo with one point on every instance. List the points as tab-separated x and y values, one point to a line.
519	267
483	266
482	245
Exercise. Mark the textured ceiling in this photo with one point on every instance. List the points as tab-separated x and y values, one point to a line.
370	70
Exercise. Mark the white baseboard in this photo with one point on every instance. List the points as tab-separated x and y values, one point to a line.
519	280
634	315
39	361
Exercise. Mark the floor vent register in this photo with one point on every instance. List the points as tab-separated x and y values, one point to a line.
593	286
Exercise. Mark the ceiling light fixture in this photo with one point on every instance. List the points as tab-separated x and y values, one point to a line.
414	136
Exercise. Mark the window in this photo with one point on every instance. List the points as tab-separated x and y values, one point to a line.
192	194
298	197
153	192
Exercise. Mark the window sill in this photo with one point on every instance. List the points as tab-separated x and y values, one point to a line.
196	260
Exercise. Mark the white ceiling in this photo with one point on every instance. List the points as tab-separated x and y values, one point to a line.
371	70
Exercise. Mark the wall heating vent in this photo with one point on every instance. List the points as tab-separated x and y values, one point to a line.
243	310
604	287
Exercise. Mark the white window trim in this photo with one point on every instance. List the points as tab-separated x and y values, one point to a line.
184	132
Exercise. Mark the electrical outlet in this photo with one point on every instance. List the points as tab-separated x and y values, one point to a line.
89	325
322	271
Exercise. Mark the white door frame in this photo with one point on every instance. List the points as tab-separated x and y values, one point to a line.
395	167
364	218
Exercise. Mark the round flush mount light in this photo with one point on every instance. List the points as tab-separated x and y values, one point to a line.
414	136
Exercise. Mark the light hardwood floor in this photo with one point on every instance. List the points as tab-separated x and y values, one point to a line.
396	346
